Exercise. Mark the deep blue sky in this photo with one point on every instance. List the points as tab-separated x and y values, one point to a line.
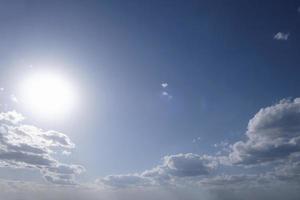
219	59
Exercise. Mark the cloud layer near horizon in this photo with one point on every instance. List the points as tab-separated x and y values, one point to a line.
271	148
272	143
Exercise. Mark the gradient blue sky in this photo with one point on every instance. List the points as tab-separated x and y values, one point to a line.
219	58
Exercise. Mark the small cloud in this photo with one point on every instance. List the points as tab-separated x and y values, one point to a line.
1	89
298	9
281	36
164	85
165	93
196	139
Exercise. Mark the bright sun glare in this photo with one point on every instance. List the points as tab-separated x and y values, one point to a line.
47	94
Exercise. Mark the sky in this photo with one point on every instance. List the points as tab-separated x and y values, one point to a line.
162	99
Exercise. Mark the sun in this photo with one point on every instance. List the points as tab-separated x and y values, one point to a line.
48	94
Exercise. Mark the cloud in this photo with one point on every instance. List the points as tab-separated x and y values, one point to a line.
164	85
184	165
281	36
272	138
10	117
62	174
196	139
273	134
289	171
166	94
173	167
29	147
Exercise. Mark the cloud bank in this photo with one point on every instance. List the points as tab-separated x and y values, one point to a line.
271	147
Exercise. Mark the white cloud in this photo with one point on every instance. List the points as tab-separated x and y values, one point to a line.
177	166
29	147
165	93
11	117
273	134
281	36
164	85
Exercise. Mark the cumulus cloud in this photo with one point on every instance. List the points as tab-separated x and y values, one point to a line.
173	167
11	117
281	36
185	165
273	134
29	147
289	171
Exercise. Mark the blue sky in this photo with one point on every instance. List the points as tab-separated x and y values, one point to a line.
155	81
